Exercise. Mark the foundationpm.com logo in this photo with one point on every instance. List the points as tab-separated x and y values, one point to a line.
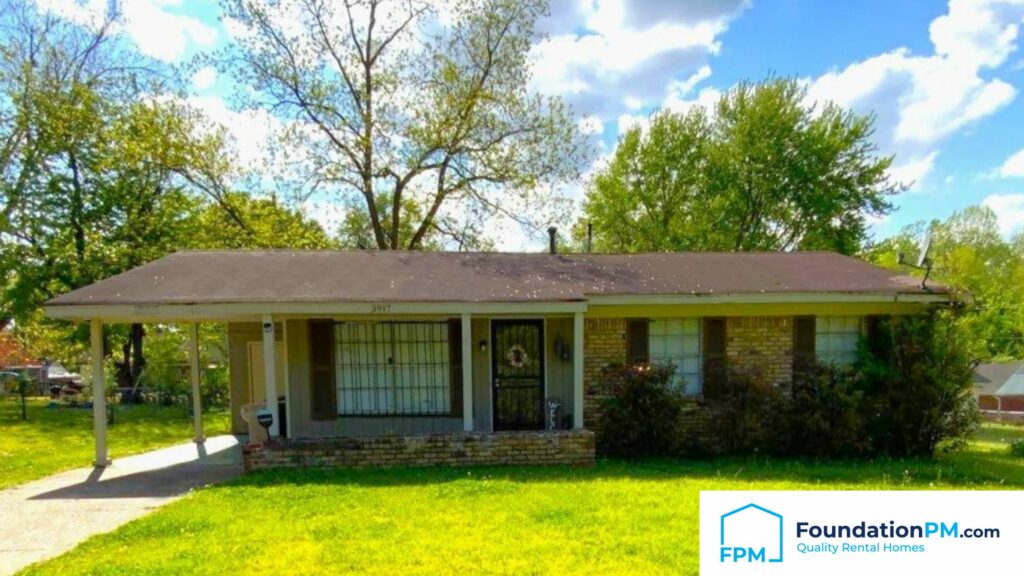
748	533
751	533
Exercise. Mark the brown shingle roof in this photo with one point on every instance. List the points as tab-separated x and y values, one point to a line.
210	277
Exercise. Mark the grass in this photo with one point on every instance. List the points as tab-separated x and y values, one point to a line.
57	439
616	518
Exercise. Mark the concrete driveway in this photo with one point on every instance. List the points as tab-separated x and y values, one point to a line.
48	517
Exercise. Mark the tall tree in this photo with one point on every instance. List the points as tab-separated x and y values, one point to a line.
270	224
101	164
763	171
404	113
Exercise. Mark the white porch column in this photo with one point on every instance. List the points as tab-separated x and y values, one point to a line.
270	371
577	371
467	373
197	400
99	394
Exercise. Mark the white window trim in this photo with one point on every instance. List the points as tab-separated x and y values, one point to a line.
841	357
689	378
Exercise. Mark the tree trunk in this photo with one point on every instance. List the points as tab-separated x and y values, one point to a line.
129	368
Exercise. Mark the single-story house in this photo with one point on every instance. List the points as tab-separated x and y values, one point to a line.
376	357
999	386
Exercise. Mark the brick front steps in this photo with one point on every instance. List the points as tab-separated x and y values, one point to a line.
565	447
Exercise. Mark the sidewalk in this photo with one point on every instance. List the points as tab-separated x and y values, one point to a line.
48	517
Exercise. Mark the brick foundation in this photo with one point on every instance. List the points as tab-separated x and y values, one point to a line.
568	447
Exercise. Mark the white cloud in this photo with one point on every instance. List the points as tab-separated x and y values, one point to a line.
250	130
981	32
328	214
921	100
627	121
631	49
1014	166
707	98
591	125
684	87
913	171
1009	210
204	78
153	25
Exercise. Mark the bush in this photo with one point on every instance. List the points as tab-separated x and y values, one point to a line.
916	380
909	391
1017	448
821	414
641	418
746	411
215	387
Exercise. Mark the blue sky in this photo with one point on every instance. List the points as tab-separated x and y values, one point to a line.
944	78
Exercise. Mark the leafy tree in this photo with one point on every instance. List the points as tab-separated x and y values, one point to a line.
917	386
267	224
763	171
969	254
101	166
405	115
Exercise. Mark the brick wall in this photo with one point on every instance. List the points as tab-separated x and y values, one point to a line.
604	343
567	447
761	344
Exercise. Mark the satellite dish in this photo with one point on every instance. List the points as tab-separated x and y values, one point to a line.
926	243
922	262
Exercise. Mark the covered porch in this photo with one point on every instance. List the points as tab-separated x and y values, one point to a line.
439	384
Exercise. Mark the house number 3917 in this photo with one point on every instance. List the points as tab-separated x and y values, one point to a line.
380	308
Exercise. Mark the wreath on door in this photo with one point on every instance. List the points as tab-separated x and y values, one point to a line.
517	357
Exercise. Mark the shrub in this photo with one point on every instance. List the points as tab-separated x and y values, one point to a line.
820	414
1017	448
641	418
745	408
916	384
214	389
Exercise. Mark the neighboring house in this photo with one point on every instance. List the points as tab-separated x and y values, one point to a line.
1000	386
425	357
49	378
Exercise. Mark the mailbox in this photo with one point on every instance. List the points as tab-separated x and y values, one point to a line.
265	418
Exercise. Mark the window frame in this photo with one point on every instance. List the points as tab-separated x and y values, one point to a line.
688	378
442	386
823	327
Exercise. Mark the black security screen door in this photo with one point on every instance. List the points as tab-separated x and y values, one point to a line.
517	365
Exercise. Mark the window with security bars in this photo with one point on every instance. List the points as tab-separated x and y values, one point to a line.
836	337
393	368
677	341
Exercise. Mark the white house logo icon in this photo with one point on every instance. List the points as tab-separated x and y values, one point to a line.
751	534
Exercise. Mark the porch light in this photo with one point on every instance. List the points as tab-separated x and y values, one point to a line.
483	345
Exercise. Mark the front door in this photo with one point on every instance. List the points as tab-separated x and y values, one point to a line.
517	368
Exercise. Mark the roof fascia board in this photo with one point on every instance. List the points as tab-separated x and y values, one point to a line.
253	311
788	298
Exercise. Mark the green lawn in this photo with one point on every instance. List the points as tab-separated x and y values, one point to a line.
56	439
616	518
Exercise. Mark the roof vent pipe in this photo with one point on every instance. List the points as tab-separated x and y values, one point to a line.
552	242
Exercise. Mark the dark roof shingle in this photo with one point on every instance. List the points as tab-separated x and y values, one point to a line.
208	277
